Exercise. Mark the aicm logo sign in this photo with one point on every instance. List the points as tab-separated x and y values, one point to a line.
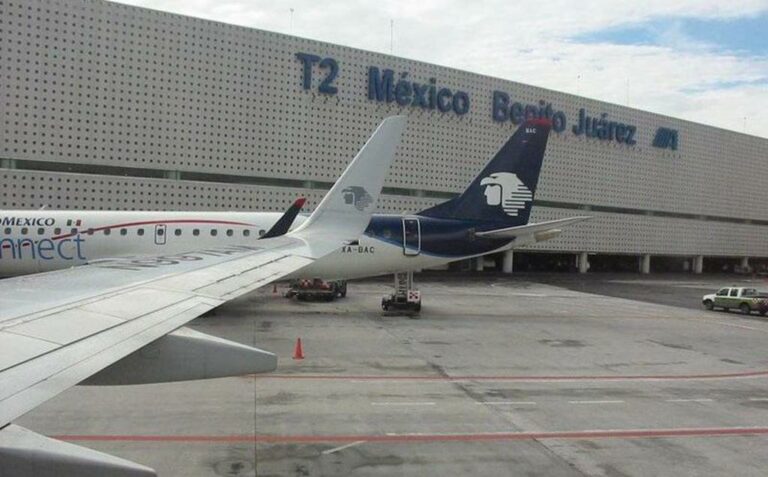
665	138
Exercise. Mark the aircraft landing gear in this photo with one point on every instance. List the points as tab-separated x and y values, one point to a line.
405	299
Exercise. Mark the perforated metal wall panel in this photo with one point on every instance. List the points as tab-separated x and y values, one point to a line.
91	83
34	189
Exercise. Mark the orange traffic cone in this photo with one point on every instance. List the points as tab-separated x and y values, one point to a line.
298	351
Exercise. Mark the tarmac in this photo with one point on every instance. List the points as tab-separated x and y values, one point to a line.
524	375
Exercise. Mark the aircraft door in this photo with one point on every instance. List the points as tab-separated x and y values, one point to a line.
411	236
160	234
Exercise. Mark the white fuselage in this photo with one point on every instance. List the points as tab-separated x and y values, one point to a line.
40	241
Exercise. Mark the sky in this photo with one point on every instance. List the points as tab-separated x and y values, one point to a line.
701	60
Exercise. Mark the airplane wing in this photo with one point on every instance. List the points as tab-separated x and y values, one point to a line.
95	323
531	229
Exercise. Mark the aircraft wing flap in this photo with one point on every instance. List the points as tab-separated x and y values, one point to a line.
65	327
17	348
253	279
199	280
134	303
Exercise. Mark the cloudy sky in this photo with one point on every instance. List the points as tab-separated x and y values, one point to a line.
702	60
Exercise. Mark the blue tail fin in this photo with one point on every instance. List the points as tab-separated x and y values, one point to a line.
503	192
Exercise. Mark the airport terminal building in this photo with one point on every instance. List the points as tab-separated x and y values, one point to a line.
107	106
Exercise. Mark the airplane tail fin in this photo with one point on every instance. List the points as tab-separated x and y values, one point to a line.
346	209
283	224
503	192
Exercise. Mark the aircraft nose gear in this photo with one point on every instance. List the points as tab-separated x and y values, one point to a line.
406	298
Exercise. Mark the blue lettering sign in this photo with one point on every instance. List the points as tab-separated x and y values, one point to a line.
665	138
517	112
325	85
601	128
308	61
383	87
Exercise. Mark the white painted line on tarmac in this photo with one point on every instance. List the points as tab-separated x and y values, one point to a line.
596	402
508	403
389	403
758	399
340	448
743	327
690	400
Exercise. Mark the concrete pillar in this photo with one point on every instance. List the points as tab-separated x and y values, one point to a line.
583	262
698	264
645	264
508	263
479	264
744	262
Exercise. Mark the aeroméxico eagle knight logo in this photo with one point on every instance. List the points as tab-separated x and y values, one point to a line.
506	190
358	197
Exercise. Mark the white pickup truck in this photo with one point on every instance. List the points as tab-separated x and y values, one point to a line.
744	299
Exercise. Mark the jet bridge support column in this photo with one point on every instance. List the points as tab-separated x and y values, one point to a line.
583	262
508	263
479	264
645	264
698	264
745	263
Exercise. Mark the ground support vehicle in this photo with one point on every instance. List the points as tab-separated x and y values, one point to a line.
406	298
317	289
744	299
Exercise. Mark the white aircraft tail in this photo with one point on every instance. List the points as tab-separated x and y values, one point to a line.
346	209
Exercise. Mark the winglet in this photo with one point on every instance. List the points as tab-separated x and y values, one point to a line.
346	209
283	224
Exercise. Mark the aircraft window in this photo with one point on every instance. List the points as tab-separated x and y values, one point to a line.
73	231
40	231
214	232
160	232
140	232
8	231
24	231
107	231
229	232
262	232
57	231
89	231
196	232
123	232
177	232
246	233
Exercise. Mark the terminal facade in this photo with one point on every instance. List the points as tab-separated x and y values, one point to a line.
108	106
